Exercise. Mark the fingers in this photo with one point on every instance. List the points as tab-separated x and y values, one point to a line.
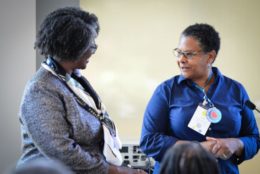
221	148
224	156
139	171
216	147
211	139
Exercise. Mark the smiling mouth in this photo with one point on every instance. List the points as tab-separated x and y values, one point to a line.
185	68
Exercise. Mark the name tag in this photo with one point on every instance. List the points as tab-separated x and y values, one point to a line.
199	121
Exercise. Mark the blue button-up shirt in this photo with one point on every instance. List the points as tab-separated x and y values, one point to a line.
173	104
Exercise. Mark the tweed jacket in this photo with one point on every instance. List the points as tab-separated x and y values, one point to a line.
54	125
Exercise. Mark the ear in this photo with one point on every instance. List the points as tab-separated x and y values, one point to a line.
212	56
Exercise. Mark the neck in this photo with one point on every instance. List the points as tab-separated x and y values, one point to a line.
67	66
206	80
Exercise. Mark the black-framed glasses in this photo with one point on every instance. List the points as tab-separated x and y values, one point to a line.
188	54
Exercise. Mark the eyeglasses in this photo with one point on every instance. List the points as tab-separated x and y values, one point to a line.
89	51
188	54
93	48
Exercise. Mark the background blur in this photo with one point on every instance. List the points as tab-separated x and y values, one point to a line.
134	55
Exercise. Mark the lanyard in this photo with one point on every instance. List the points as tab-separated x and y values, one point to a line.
206	101
214	115
103	116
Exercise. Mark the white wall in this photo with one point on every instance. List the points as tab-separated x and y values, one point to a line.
17	64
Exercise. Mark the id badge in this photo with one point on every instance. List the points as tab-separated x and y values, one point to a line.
199	121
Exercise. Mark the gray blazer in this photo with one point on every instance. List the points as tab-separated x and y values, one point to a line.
55	126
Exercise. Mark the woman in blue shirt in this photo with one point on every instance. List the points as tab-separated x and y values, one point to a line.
201	105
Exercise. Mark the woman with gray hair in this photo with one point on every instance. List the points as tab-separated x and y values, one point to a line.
61	115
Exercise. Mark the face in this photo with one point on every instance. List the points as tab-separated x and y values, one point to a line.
192	61
82	62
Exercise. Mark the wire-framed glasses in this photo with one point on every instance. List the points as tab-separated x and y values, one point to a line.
188	54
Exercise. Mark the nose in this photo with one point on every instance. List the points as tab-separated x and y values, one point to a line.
182	58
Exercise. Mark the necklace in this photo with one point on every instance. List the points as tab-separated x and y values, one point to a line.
213	114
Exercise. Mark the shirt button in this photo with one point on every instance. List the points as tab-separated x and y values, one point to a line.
210	129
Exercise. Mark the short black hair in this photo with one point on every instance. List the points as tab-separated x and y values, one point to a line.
66	32
207	36
189	158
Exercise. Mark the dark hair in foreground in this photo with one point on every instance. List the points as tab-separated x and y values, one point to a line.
189	158
66	33
207	36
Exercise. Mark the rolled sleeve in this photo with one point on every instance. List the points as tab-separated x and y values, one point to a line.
154	139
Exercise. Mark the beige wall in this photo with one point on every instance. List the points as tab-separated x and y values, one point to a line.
135	51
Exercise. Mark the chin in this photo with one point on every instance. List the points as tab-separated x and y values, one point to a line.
83	67
186	75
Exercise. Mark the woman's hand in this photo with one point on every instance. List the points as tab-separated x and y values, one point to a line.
124	170
210	145
226	147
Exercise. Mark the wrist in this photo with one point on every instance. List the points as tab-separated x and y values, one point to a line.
112	169
240	147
